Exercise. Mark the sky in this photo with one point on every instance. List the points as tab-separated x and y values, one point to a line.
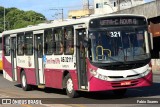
46	7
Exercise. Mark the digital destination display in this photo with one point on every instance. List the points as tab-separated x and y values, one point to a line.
117	21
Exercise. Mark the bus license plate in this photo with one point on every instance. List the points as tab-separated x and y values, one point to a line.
125	83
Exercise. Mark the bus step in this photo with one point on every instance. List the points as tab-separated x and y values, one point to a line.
41	86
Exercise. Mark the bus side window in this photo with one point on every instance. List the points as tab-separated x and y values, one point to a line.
7	45
20	42
68	41
48	42
28	46
58	37
60	51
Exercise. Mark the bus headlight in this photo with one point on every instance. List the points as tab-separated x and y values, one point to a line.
93	72
146	72
102	77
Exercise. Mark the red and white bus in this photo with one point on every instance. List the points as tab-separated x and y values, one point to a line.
97	53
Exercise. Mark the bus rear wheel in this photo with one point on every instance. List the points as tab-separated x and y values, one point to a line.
120	92
69	87
24	84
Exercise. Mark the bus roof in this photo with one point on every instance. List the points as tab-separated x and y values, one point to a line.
59	23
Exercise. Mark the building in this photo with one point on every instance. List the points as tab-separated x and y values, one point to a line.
86	11
80	13
109	6
103	7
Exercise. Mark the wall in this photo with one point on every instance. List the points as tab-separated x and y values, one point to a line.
149	10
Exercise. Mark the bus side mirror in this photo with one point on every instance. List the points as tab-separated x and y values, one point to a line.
146	41
85	41
151	39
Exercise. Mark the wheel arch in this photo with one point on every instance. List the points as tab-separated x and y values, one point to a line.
21	70
65	73
24	81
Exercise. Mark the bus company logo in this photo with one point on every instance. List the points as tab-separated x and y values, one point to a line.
53	61
21	61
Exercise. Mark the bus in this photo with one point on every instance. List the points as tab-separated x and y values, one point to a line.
1	65
96	53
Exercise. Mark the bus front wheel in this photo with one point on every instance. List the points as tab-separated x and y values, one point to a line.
24	84
69	87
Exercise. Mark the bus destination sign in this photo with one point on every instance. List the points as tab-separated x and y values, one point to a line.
118	22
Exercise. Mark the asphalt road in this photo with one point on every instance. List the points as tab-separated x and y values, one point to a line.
144	97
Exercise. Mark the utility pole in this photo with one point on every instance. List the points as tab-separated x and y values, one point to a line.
60	12
118	2
4	24
85	4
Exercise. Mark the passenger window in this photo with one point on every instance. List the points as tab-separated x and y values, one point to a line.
7	45
48	42
28	43
21	45
68	41
59	46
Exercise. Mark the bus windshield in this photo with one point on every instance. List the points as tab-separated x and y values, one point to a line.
109	46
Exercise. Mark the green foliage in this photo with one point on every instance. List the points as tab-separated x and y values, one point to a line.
16	18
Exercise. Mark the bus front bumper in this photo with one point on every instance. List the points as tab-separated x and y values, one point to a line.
96	84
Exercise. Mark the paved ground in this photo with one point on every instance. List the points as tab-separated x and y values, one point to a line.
102	99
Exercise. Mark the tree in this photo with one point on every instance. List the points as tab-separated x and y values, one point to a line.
16	18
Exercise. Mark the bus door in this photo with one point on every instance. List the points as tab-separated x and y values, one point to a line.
81	58
38	44
13	57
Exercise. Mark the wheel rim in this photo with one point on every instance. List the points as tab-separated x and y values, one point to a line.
69	85
23	81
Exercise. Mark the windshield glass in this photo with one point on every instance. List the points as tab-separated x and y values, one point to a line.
117	46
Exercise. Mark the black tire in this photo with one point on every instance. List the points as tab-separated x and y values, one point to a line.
24	84
69	87
120	92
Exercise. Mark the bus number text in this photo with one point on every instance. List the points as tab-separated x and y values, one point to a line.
115	34
66	59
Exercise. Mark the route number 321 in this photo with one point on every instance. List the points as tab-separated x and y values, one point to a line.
115	34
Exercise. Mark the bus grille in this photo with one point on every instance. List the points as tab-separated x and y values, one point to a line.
118	77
